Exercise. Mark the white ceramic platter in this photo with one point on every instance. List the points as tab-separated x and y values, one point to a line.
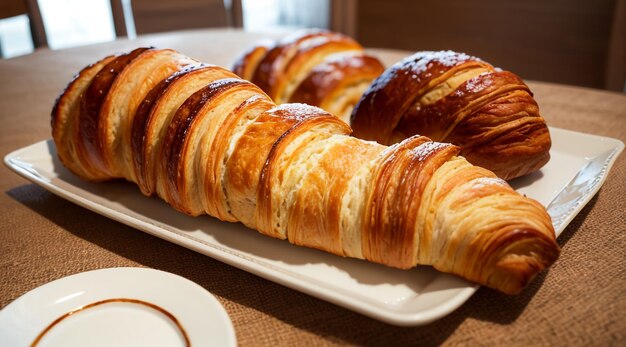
117	307
579	165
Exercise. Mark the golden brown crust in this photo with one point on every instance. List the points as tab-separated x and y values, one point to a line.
320	68
176	150
209	142
129	89
270	69
306	58
452	97
141	122
243	170
89	144
161	115
329	81
246	64
216	198
389	234
315	212
290	60
64	117
302	118
511	261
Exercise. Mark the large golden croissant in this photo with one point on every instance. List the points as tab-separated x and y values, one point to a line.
209	142
319	68
452	97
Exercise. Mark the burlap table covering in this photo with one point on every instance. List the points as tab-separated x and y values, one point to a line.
581	300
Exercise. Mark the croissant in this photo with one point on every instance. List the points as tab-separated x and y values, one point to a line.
319	68
206	141
452	97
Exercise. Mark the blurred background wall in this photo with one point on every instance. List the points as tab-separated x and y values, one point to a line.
565	41
578	42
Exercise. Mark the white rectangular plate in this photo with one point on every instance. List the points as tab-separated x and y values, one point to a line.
579	165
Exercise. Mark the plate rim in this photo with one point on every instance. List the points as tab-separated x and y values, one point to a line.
594	187
102	274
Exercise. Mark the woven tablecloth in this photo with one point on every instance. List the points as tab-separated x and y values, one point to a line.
581	300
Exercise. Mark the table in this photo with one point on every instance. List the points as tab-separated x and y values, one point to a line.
581	300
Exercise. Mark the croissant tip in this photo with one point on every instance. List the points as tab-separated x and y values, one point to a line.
517	269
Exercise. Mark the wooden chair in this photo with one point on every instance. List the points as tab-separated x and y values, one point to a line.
151	16
12	8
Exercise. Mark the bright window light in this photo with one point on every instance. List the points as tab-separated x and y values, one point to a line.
15	36
72	23
271	14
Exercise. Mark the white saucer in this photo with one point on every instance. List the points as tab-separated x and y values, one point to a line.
117	307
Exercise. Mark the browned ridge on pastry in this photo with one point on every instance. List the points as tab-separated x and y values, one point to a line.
316	67
456	98
209	142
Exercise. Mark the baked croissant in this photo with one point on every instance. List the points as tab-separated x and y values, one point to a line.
209	142
319	68
453	97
